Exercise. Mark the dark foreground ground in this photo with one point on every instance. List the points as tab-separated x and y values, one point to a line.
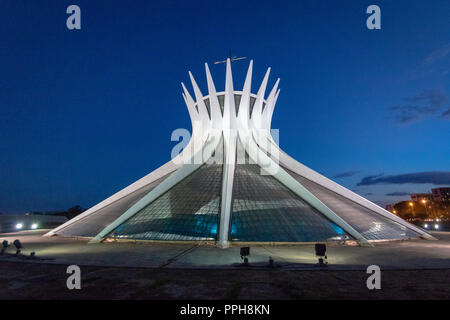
414	269
19	280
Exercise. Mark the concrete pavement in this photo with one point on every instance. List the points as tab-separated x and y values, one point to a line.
412	254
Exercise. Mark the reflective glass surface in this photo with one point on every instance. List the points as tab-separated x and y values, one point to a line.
237	101
370	224
188	211
91	225
264	210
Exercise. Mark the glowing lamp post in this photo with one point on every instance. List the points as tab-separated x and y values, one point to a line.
424	202
411	204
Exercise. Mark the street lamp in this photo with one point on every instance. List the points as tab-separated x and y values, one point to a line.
411	204
424	202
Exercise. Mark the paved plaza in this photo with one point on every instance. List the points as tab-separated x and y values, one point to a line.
412	254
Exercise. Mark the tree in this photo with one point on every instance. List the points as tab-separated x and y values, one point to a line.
74	211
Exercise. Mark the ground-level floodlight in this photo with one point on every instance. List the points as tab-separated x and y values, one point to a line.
5	245
19	226
271	263
321	249
245	252
18	246
34	226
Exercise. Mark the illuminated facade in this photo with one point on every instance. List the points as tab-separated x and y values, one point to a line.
232	182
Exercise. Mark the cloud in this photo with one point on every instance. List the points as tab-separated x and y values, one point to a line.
416	107
438	54
436	63
433	177
346	174
397	193
446	114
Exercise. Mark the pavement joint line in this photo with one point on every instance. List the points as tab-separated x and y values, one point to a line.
170	260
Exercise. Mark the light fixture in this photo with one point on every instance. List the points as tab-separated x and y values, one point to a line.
18	246
19	226
271	263
245	252
321	249
436	226
426	225
34	226
5	245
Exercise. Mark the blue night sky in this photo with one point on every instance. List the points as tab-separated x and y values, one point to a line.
84	113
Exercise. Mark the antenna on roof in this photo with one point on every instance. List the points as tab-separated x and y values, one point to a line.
231	59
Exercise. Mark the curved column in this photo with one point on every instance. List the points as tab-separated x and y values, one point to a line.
255	117
227	187
202	110
243	115
229	135
216	113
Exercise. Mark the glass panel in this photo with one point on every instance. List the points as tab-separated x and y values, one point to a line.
91	225
208	107
252	104
221	102
188	211
237	101
370	224
265	210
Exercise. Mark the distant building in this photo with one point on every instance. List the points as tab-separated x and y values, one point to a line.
432	205
421	196
441	194
19	222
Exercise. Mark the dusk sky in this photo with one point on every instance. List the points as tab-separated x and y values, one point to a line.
83	113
